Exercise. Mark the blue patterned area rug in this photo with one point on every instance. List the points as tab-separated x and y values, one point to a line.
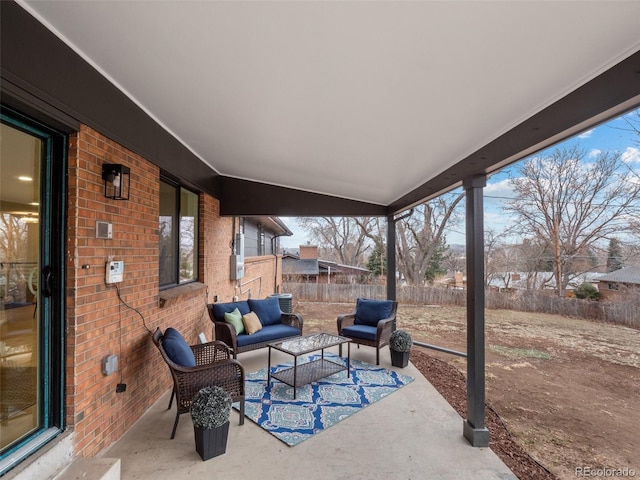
318	405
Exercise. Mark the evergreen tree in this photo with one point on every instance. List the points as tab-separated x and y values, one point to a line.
614	258
436	268
376	264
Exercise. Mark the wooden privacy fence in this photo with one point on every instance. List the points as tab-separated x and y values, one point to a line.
614	312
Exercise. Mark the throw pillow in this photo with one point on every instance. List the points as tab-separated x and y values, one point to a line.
219	309
267	309
370	312
251	323
235	319
177	349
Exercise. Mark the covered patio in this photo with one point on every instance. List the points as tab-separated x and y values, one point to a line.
412	433
293	109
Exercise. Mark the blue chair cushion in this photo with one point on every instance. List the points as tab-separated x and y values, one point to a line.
267	309
177	349
365	332
219	309
270	332
370	312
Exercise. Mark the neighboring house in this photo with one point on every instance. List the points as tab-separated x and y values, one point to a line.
615	283
457	282
307	267
261	235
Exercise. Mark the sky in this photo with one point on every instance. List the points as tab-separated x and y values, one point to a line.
614	135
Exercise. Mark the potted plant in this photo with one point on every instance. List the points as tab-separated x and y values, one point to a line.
210	412
400	344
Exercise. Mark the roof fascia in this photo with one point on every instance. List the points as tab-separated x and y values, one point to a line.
244	198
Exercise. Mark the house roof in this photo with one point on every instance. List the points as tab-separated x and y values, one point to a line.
624	275
316	108
274	224
338	268
296	266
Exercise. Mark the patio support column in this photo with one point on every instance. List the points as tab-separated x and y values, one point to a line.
474	428
391	258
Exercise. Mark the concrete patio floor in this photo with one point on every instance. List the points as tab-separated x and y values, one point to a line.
411	434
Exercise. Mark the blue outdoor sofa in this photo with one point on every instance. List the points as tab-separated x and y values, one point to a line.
274	324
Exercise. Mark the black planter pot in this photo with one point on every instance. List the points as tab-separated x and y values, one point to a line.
399	359
211	442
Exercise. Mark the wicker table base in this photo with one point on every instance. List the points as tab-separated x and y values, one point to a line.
308	372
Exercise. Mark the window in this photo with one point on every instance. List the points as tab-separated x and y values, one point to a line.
261	237
178	232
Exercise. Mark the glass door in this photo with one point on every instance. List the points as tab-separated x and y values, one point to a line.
30	329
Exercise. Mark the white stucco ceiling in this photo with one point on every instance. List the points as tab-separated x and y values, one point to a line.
363	100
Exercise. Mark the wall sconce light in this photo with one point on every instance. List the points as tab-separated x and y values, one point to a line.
117	181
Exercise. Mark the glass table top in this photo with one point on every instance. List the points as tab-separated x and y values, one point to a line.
309	343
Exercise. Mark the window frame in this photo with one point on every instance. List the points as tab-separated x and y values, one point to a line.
176	236
51	308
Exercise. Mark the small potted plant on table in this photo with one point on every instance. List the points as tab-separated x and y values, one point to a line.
210	412
400	344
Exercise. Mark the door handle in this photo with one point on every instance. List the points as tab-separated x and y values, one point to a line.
47	277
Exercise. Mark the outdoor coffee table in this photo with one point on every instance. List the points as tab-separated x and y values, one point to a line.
308	372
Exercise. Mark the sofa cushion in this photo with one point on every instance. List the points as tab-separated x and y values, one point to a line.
370	312
251	323
360	331
267	309
177	349
235	319
268	334
219	309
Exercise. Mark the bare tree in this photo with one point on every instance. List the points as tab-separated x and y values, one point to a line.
498	261
340	238
456	260
421	235
13	256
633	125
573	203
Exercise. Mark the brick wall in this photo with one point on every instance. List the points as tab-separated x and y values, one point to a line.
99	324
259	277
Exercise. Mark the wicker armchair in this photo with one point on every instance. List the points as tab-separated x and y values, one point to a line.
213	366
370	324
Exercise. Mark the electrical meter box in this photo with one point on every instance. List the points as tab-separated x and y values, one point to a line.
236	267
236	263
115	272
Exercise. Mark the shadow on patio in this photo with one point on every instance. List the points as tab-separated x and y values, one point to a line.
411	434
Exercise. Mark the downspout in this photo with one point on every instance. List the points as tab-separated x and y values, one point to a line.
276	287
391	254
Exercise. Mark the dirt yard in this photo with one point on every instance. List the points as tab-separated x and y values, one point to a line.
568	390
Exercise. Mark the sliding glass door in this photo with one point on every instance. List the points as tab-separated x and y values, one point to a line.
31	270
